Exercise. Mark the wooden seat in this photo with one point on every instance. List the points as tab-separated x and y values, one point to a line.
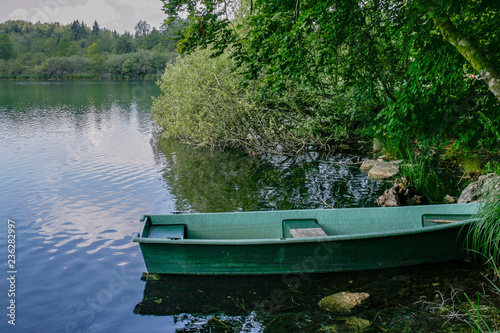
300	228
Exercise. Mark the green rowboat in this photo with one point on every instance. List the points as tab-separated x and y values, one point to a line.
303	241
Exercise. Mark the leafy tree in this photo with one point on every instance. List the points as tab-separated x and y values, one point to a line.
59	67
64	45
6	47
388	56
114	63
123	44
142	29
152	39
93	50
35	43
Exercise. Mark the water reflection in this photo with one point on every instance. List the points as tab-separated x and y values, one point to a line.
289	303
76	172
210	181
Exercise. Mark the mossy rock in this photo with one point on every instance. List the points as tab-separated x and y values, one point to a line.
343	302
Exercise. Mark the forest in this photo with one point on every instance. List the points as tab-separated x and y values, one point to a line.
76	51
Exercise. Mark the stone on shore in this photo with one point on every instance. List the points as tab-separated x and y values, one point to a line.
474	191
390	198
448	199
367	165
377	146
383	170
401	194
343	302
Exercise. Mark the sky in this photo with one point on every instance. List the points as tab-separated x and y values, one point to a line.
119	15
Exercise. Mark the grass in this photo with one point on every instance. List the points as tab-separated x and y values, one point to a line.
421	174
484	236
484	241
481	318
418	166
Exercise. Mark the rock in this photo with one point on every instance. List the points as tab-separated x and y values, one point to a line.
352	324
377	146
390	198
343	302
474	191
383	170
416	200
396	195
359	324
448	199
401	194
367	165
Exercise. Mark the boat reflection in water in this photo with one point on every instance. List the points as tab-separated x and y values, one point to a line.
289	302
241	303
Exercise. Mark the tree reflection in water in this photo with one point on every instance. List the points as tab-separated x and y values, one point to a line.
202	180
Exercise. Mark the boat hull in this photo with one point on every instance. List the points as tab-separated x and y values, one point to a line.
336	253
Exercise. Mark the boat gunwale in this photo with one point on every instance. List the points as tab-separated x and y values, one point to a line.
265	241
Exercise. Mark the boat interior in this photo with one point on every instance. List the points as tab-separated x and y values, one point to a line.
295	224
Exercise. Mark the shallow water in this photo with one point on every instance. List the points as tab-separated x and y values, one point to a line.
79	164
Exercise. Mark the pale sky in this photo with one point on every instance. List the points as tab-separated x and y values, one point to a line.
119	15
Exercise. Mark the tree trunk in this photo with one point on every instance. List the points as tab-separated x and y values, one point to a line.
471	53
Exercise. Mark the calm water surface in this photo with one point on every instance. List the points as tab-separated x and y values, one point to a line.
79	164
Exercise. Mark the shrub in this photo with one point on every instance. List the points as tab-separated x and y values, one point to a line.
205	103
202	102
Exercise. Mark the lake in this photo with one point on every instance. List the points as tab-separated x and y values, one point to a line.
80	161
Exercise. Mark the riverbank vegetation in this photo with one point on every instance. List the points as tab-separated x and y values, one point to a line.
76	51
331	72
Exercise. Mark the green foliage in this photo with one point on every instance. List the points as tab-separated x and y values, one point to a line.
6	48
78	31
142	29
201	101
204	103
419	169
42	47
93	50
96	28
59	67
492	167
123	44
484	237
390	58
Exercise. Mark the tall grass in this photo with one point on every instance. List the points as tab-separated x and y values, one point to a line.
481	318
418	168
484	236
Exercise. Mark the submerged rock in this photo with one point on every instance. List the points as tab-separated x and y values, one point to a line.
352	324
359	324
474	191
383	170
343	302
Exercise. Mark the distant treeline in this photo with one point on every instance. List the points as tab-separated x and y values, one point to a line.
75	51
